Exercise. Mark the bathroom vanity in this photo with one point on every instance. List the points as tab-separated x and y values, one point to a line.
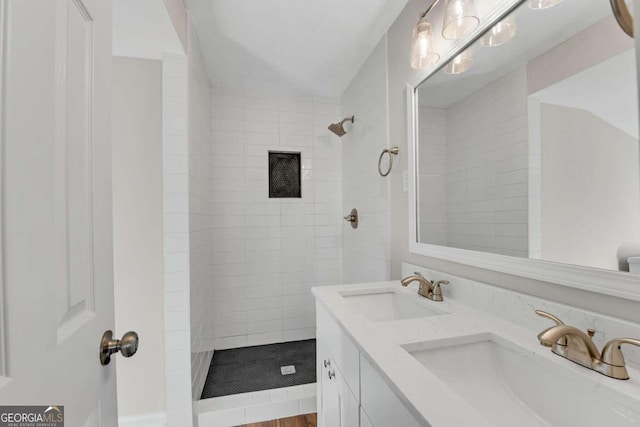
388	356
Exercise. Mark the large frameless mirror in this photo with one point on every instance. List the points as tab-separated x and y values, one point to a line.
525	144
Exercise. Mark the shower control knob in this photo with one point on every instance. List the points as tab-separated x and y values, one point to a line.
353	218
127	346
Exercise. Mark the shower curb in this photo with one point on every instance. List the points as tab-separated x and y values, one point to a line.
256	406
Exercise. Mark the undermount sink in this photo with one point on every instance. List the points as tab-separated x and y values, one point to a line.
386	306
512	386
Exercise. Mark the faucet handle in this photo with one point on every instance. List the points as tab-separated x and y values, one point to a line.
558	322
612	355
436	291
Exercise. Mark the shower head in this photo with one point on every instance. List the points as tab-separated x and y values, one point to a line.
338	128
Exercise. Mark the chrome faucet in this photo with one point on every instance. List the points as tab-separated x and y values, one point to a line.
427	289
573	344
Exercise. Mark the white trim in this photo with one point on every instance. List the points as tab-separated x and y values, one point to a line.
155	419
612	283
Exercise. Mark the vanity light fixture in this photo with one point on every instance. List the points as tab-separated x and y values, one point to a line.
500	33
424	51
460	63
543	4
460	19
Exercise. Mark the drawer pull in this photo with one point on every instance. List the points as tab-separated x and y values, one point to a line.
332	375
327	363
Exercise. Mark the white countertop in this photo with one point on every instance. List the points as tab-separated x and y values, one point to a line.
422	391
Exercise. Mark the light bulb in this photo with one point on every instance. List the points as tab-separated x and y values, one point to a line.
460	63
424	52
460	19
543	4
500	33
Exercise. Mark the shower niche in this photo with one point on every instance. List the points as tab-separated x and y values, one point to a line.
284	174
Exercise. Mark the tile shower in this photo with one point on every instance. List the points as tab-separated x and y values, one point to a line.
251	289
269	252
255	258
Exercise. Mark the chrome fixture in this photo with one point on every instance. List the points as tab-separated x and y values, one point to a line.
424	51
428	288
543	4
500	33
460	63
353	218
623	16
573	344
460	19
338	128
127	346
391	152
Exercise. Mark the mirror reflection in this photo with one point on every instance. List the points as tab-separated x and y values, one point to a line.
527	141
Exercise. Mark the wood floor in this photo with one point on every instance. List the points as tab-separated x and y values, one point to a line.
308	420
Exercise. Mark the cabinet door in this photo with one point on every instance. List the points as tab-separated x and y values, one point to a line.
349	407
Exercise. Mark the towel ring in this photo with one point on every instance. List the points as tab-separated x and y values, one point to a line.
392	152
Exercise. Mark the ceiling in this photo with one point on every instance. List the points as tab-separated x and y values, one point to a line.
300	46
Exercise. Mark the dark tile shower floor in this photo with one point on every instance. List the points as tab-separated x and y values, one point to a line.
242	370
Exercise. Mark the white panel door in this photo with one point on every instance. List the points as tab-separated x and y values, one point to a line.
56	253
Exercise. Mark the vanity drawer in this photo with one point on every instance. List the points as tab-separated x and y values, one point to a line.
343	351
380	403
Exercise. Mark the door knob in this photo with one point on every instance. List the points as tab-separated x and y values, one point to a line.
127	346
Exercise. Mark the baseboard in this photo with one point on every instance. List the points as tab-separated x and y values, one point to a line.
156	419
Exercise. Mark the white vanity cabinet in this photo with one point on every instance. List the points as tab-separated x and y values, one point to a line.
351	393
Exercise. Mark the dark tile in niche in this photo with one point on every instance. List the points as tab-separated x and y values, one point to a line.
284	175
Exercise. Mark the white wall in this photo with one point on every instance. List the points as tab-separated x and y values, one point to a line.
587	165
366	249
268	253
200	210
137	231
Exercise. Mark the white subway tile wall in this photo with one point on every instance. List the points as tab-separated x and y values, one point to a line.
486	170
366	249
175	136
432	161
200	171
268	253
